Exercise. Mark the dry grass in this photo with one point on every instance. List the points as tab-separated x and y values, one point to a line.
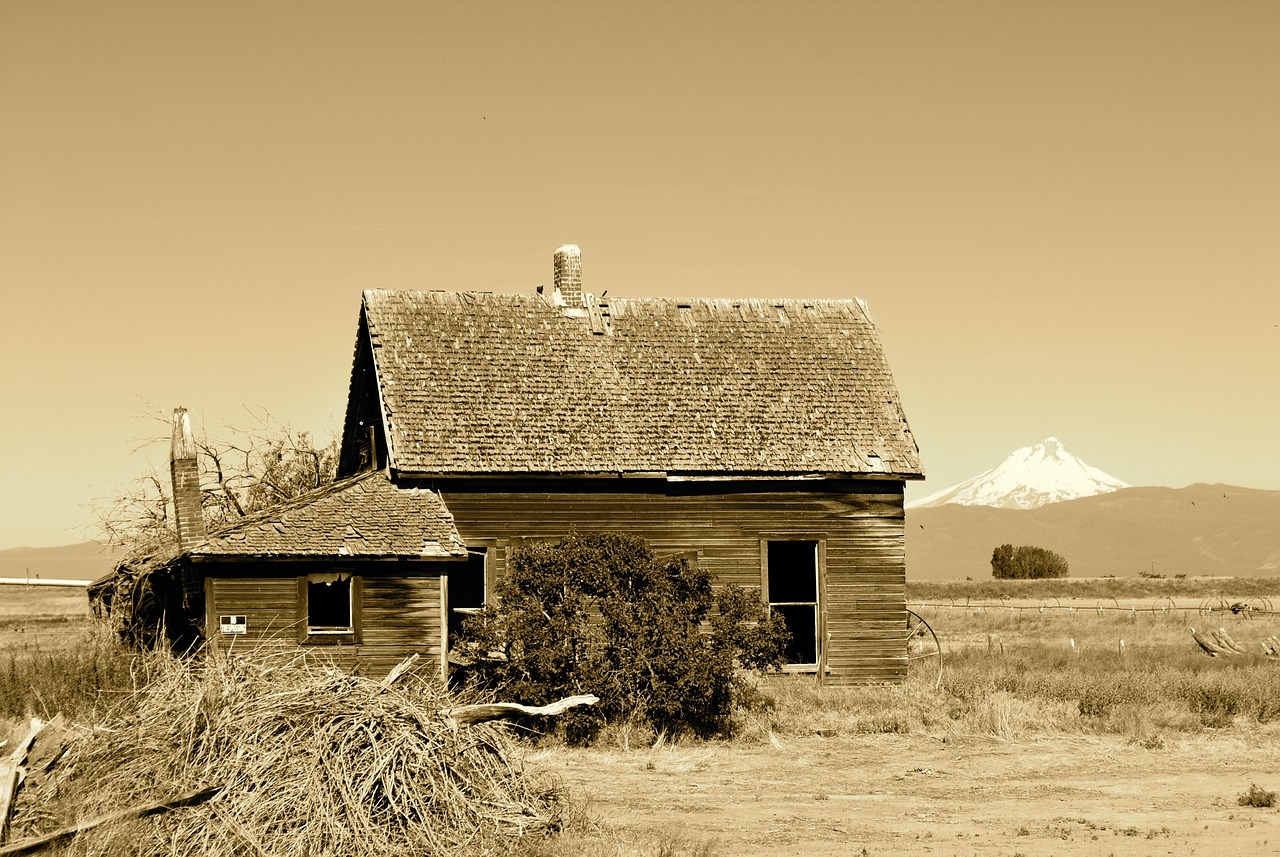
312	761
1013	673
80	675
1094	588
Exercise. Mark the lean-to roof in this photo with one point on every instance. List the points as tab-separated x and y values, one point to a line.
480	383
363	516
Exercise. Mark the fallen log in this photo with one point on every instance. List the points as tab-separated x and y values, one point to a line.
465	715
1211	647
1224	639
36	843
11	774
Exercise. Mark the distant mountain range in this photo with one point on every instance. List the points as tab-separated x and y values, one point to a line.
83	561
1029	478
1197	530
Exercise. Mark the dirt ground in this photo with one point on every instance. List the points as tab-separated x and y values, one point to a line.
907	795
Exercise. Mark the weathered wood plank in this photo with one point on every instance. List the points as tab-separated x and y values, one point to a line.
862	533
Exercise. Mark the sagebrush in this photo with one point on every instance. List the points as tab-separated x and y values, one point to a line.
600	613
1026	562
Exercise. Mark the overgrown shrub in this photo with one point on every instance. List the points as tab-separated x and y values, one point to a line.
1026	562
599	613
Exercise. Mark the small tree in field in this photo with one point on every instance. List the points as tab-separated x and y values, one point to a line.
600	614
1026	562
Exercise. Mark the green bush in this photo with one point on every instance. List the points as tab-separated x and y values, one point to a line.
1026	562
599	613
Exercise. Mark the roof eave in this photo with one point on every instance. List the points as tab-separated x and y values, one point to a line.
204	558
667	476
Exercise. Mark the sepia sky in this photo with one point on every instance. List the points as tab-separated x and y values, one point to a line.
1065	216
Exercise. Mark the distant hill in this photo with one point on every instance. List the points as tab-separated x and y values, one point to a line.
1197	530
83	561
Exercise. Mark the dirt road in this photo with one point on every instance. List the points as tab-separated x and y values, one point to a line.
890	794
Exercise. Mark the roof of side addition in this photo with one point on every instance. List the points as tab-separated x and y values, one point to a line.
364	516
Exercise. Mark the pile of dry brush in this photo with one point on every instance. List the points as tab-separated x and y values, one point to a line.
311	761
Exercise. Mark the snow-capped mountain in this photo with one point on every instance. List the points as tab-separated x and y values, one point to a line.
1030	477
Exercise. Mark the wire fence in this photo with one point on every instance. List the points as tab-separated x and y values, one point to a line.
1247	608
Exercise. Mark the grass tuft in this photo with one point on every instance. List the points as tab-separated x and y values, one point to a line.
81	675
1258	797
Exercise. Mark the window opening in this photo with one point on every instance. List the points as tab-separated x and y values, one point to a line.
792	581
466	590
329	603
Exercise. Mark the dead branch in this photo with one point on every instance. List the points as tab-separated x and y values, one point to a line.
397	671
465	715
36	843
1223	638
1211	647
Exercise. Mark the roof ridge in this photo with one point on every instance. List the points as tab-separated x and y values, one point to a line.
677	299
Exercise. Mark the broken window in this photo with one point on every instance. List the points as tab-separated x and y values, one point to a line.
466	590
330	606
791	588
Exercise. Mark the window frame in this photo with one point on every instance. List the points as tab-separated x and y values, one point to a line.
820	606
486	571
490	548
352	635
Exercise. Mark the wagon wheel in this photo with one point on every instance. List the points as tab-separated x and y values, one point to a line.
1248	606
1210	604
924	654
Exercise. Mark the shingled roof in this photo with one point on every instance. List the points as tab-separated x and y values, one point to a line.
364	516
480	383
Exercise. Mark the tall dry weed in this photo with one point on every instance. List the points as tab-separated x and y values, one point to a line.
81	677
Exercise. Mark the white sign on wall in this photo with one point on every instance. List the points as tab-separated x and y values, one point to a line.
233	624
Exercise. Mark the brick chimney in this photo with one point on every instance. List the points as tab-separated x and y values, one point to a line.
567	275
184	470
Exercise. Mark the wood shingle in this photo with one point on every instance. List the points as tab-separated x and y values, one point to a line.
364	516
480	383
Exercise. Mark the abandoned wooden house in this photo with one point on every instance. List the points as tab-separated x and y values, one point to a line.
766	437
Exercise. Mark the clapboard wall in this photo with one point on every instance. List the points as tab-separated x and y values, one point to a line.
858	524
400	610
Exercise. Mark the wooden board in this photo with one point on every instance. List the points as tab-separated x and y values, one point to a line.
400	616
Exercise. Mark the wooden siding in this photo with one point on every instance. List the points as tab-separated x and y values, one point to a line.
859	524
400	614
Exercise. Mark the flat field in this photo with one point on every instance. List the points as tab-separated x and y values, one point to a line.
41	617
1035	796
1045	736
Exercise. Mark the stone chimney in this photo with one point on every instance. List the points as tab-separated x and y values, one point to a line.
567	282
184	470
